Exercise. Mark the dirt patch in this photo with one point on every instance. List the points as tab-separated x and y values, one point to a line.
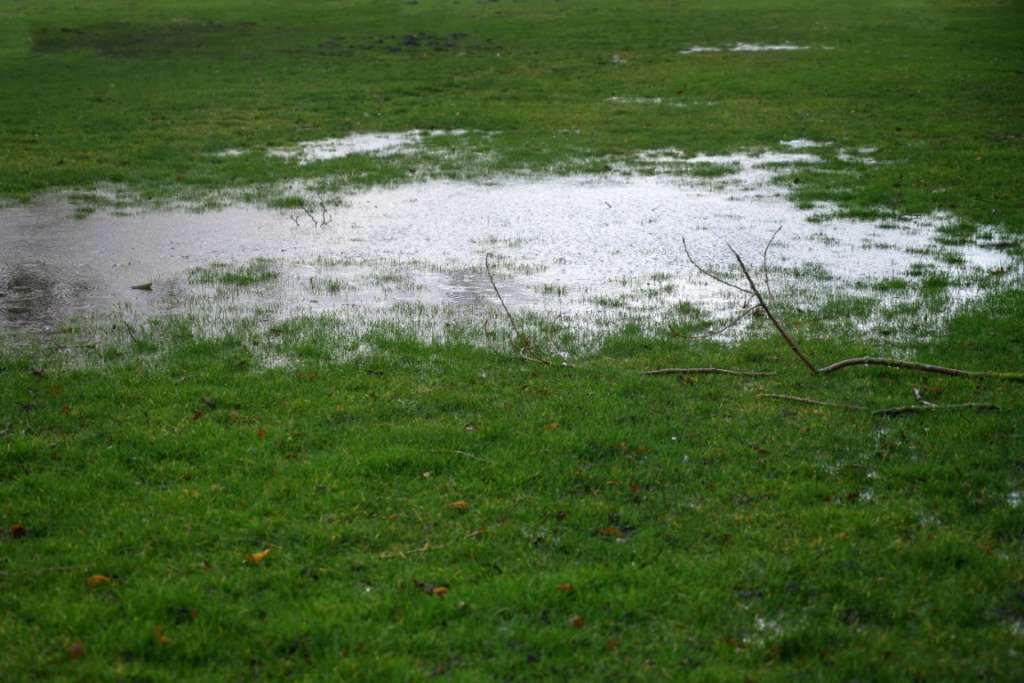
125	39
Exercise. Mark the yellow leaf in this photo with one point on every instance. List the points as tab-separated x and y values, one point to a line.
97	580
551	426
256	558
459	505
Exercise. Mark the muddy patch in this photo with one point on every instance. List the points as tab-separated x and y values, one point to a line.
126	39
590	252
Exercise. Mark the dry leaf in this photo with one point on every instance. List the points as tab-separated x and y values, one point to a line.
260	434
158	634
18	531
97	580
197	414
576	621
611	645
610	532
438	590
256	558
75	650
565	588
459	505
551	426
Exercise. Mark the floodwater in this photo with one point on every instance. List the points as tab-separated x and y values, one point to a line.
377	144
590	251
744	47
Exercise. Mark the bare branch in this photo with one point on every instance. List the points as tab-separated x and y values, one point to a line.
778	326
708	273
521	338
922	367
764	264
729	325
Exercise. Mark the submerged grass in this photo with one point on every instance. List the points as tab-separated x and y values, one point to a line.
581	522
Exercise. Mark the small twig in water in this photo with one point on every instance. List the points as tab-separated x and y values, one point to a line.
704	271
764	264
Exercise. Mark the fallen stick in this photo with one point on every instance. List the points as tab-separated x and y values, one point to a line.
813	402
884	412
922	367
901	410
708	371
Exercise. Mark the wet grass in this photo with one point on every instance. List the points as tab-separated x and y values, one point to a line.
143	96
445	509
255	272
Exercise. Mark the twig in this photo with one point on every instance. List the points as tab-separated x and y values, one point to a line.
708	371
729	325
708	273
885	412
764	263
919	397
813	402
771	316
511	319
474	457
922	367
900	410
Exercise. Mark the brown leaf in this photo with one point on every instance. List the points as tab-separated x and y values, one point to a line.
197	414
610	532
158	635
438	590
576	621
551	426
260	434
566	588
459	505
97	580
256	558
18	531
75	650
611	645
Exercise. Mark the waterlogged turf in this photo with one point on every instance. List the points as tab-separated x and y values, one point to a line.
278	497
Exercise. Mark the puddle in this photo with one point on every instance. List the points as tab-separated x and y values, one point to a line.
379	144
588	251
744	47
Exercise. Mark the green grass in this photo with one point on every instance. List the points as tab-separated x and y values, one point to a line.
706	533
142	96
607	526
255	272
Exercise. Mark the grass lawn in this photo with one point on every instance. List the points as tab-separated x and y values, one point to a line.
174	509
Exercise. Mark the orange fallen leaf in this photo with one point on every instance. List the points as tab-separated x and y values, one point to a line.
158	634
256	558
439	591
75	650
576	621
459	505
260	434
551	426
97	580
565	588
18	531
